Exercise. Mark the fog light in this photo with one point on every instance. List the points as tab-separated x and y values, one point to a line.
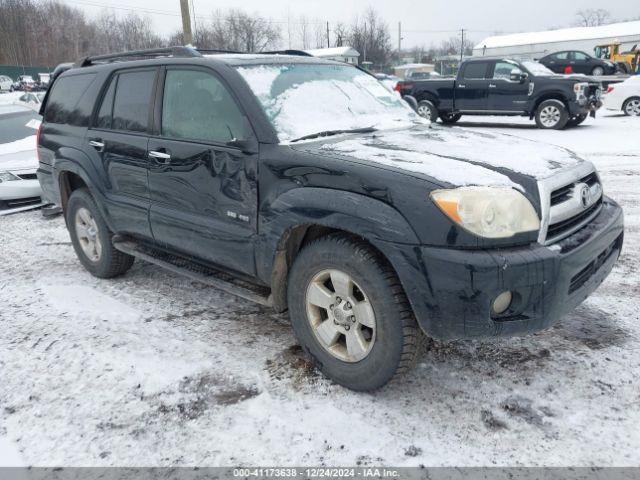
502	302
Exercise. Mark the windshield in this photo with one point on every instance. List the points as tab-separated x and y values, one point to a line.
537	68
17	126
303	99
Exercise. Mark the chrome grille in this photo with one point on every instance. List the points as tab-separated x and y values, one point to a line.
569	202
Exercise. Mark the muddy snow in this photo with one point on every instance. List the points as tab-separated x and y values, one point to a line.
152	369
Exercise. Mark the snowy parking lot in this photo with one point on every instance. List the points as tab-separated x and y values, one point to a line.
153	369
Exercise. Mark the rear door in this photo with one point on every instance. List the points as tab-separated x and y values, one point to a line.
472	87
558	62
204	192
505	95
119	139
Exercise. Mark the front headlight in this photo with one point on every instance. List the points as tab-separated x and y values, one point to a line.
489	212
7	177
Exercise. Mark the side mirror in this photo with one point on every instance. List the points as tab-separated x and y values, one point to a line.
518	76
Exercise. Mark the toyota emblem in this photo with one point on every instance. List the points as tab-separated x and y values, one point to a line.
585	196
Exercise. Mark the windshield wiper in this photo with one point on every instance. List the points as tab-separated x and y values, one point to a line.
328	133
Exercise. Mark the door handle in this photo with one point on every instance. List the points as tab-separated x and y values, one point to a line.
462	86
160	157
98	145
491	85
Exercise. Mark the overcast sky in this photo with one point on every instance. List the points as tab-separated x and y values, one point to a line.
423	21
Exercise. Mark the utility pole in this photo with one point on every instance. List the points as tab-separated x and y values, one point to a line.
462	46
364	44
328	41
399	39
187	37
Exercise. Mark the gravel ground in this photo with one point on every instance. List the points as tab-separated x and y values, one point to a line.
152	369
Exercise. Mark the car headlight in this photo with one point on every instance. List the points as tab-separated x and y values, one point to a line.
489	212
8	177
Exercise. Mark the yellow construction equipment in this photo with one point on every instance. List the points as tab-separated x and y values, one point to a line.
627	62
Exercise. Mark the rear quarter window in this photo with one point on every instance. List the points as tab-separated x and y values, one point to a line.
65	104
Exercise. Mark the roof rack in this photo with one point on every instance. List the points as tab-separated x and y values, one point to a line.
149	53
176	52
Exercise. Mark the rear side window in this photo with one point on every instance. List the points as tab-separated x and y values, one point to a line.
126	103
64	104
475	70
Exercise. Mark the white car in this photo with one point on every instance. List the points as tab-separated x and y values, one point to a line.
624	96
33	100
5	83
19	186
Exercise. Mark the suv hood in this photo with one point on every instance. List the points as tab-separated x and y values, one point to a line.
451	156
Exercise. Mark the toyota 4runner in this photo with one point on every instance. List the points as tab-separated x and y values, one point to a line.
306	185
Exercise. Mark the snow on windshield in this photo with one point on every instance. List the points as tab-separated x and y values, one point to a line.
537	68
302	99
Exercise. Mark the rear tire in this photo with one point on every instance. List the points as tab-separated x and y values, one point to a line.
597	71
428	110
577	120
552	114
631	107
92	239
350	314
449	118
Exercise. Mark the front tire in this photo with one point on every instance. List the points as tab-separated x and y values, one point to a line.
449	118
631	107
92	239
428	110
552	114
350	314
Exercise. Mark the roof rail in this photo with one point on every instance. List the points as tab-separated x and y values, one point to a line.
216	50
137	54
299	53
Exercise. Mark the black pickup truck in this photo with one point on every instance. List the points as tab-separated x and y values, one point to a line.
507	87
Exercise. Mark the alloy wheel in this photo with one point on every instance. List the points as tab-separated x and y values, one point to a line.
632	107
550	116
424	111
340	315
87	233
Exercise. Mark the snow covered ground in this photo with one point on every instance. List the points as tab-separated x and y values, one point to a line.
154	369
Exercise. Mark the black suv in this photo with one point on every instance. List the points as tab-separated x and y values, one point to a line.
573	61
304	184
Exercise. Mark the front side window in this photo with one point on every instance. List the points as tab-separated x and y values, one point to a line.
132	101
305	99
504	70
579	56
197	106
475	71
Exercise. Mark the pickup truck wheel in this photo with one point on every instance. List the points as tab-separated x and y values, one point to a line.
91	237
577	120
552	114
428	110
631	107
350	314
450	117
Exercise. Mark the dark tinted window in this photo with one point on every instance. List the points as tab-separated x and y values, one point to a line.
197	106
131	105
475	70
580	56
106	109
560	56
64	99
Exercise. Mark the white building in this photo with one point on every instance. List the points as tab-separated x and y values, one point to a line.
538	44
339	54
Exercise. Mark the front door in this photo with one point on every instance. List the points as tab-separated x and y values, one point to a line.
580	63
472	87
203	190
119	139
506	95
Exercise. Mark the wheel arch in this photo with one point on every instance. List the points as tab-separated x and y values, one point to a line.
552	95
302	215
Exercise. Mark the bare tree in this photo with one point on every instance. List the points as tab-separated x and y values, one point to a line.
370	35
340	34
593	17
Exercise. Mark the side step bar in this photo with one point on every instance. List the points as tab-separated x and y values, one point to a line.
195	271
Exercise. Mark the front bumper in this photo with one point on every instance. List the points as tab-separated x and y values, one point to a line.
451	290
19	195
